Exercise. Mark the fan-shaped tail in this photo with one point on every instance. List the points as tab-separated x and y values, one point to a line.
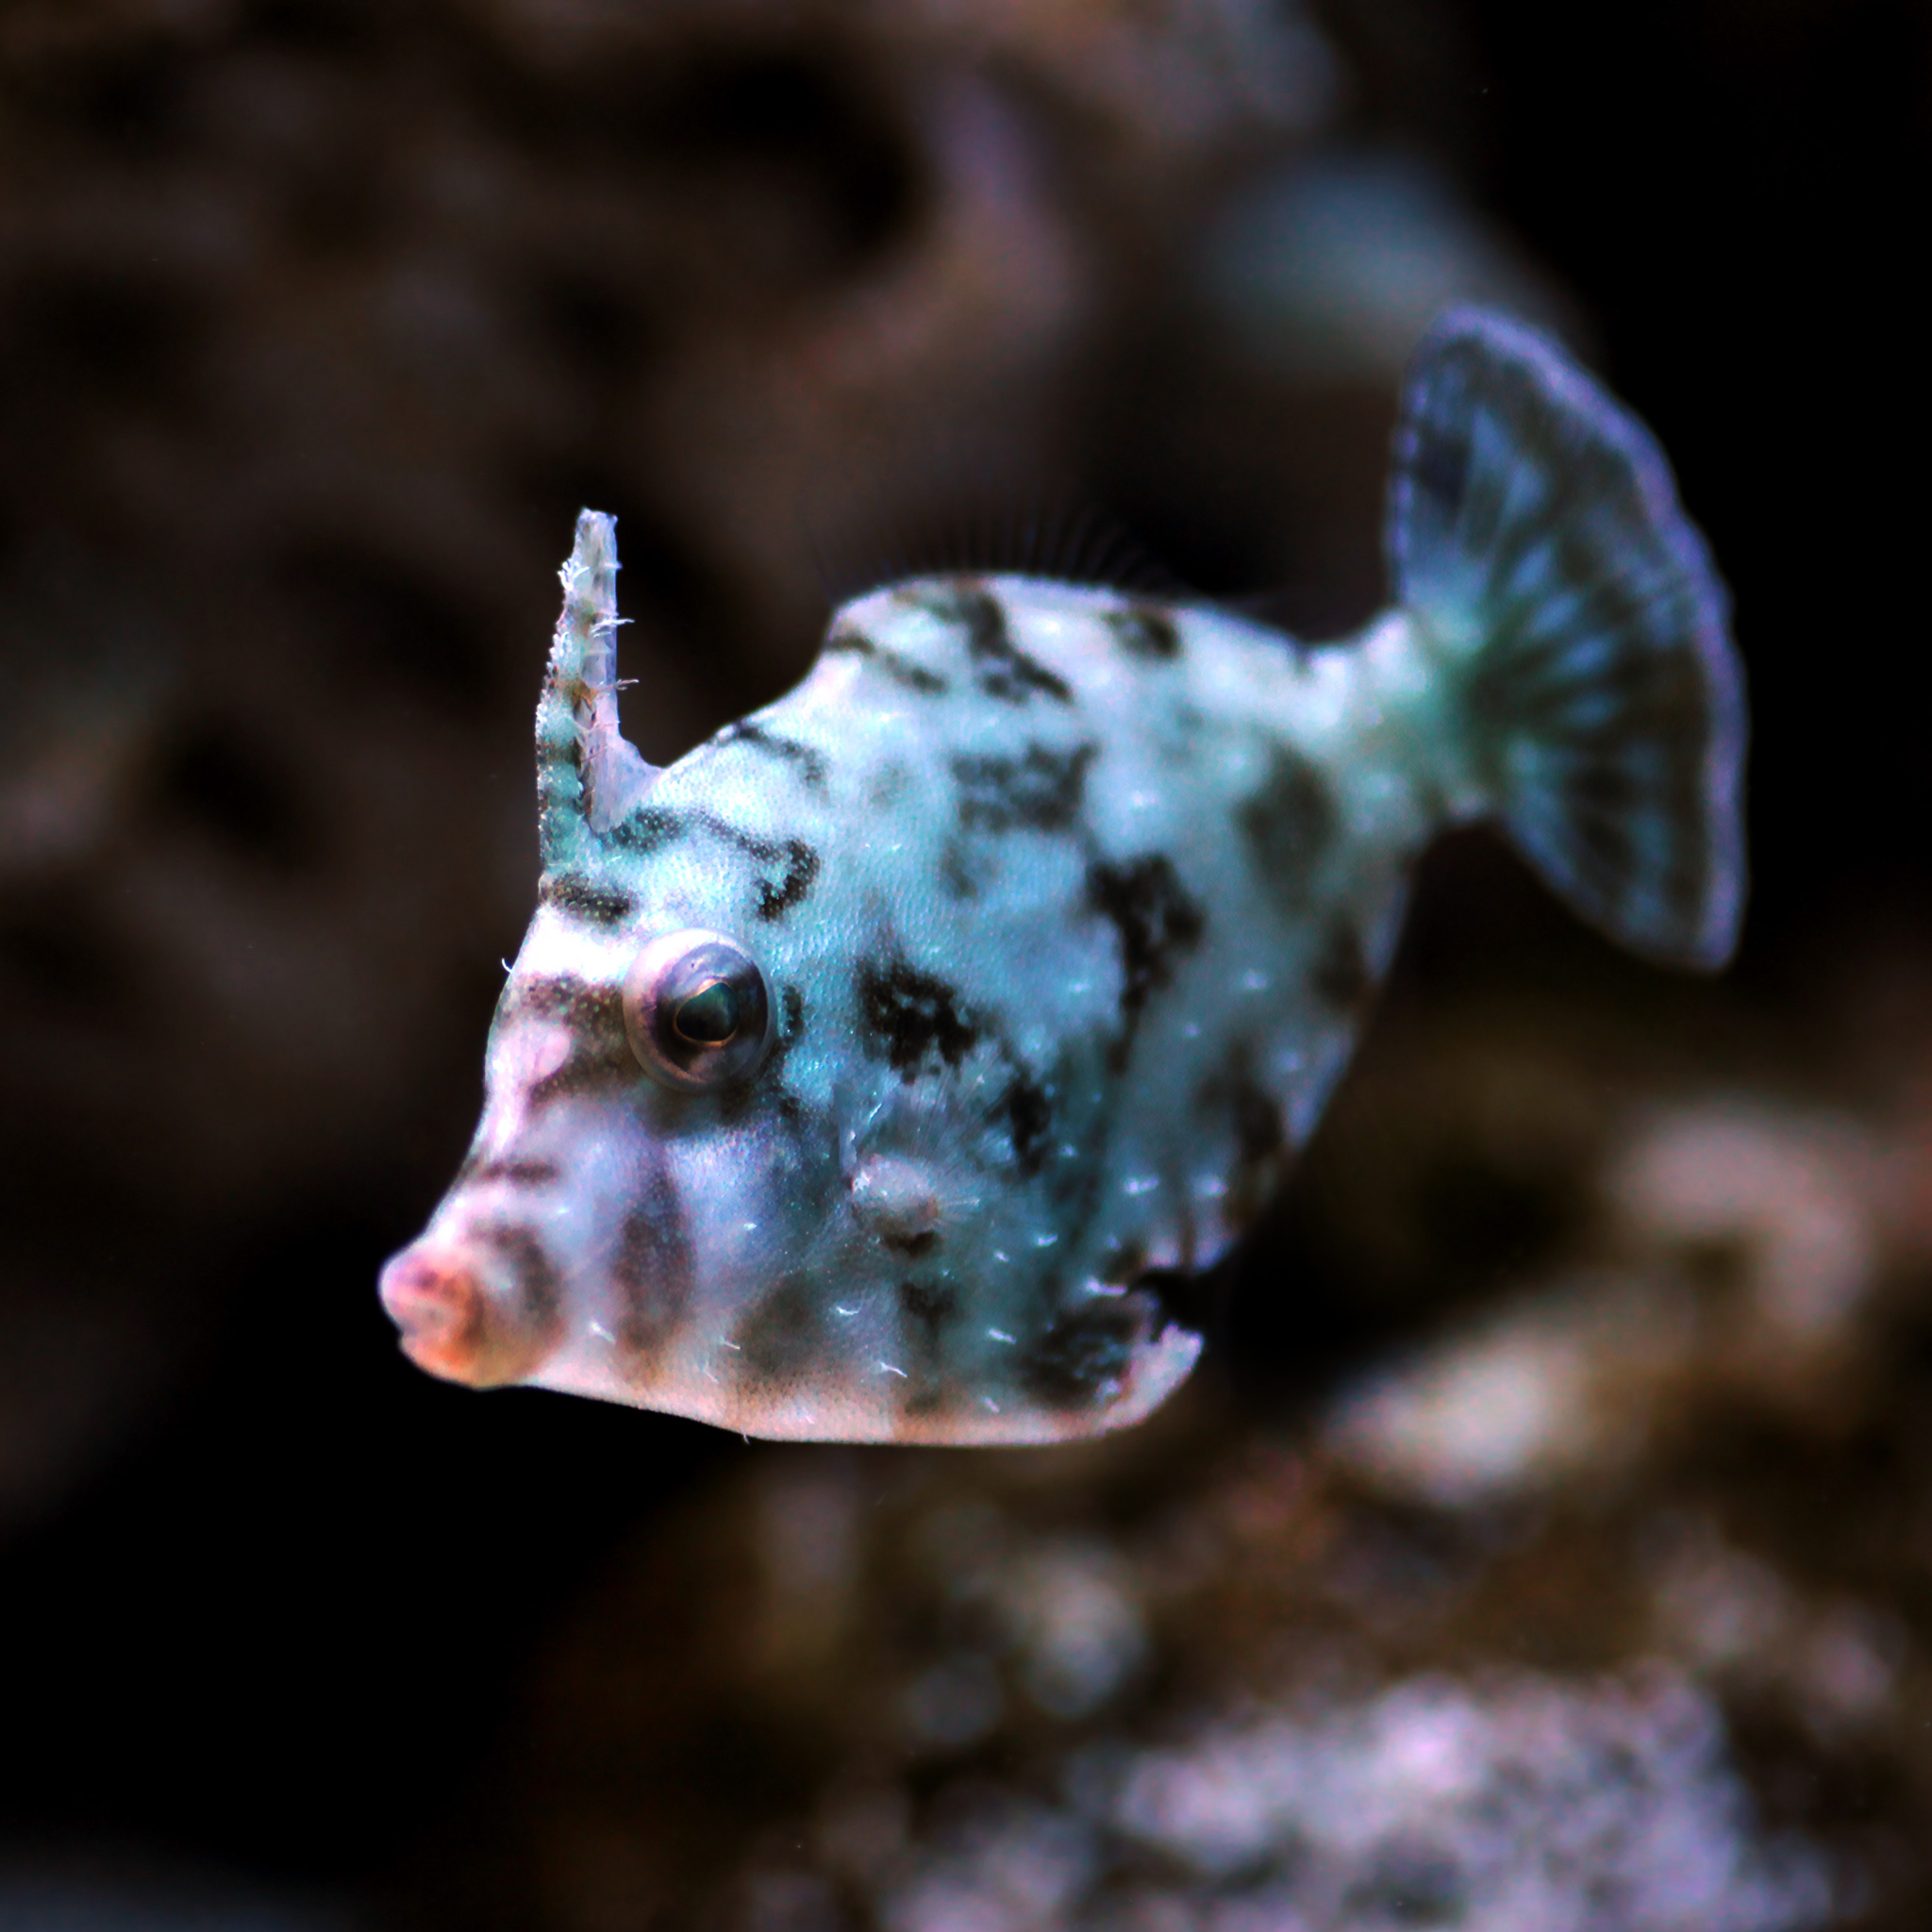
1536	540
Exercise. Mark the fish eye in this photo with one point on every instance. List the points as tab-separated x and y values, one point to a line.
697	1008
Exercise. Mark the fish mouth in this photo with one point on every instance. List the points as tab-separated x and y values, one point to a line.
450	1324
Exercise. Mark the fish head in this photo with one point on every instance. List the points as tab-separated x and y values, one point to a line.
695	1186
732	1167
626	1145
633	1133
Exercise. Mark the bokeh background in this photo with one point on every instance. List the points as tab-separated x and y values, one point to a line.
1548	1539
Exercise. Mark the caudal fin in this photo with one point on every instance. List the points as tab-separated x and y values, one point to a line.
1536	537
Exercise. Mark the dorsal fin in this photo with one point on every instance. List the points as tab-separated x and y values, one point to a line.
588	777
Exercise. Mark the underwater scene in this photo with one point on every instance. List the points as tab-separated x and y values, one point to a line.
1168	1165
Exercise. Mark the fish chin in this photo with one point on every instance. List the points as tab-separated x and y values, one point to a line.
1081	1379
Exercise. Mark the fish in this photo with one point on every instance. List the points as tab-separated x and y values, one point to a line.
883	1069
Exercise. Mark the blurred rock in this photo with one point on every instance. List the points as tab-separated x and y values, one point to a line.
1752	1232
1523	1800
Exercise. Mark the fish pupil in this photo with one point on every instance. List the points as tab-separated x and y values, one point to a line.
709	1016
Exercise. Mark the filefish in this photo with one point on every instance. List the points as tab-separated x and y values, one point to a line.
876	1071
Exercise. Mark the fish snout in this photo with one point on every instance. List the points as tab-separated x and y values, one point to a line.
454	1325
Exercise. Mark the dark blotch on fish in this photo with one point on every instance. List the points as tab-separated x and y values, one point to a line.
887	785
596	905
928	1309
913	1017
801	869
782	1335
515	1173
1005	673
1288	824
735	1101
809	763
648	829
851	641
1156	917
775	896
1341	974
593	1012
925	1311
912	1245
960	869
600	1054
1145	630
538	1287
597	1070
1086	1355
653	1269
1029	1117
558	997
1041	792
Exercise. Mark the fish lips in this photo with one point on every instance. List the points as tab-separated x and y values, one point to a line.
466	1317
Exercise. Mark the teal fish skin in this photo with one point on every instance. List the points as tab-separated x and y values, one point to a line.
862	1072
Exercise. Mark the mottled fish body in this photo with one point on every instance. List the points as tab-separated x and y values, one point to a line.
864	1073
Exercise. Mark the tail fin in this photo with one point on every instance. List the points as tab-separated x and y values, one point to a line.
1534	534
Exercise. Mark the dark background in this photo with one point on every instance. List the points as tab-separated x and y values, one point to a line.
269	1604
